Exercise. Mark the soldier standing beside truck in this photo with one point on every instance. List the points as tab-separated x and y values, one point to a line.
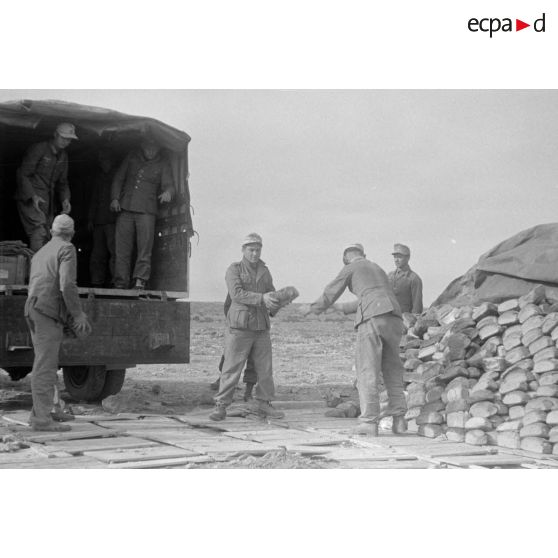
44	172
52	302
144	177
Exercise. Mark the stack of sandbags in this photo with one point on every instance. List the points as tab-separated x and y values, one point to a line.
486	375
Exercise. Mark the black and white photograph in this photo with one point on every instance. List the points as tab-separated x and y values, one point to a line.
344	279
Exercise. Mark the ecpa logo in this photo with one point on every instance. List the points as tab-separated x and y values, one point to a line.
493	25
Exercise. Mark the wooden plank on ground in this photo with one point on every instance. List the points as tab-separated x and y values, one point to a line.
386	438
301	405
494	460
138	424
59	463
107	417
249	425
181	432
283	436
450	450
20	456
16	417
221	444
140	454
79	446
163	463
78	432
387	464
529	454
309	414
363	454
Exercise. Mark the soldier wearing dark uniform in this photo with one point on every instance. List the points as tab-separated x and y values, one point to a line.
143	178
406	284
102	223
52	302
42	175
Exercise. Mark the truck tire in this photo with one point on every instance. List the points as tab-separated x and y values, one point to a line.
84	383
113	382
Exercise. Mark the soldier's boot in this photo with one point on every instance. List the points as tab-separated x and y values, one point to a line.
219	413
265	409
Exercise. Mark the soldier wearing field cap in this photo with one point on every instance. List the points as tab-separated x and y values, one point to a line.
406	284
42	176
52	302
249	284
379	328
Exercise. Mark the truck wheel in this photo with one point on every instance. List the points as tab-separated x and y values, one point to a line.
84	383
113	382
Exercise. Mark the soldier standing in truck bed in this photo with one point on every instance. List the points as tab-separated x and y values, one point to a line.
42	174
102	223
144	177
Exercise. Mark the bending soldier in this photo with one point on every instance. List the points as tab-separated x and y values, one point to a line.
379	328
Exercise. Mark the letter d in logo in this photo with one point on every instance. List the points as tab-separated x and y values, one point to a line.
539	25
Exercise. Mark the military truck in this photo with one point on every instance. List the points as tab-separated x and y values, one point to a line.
130	327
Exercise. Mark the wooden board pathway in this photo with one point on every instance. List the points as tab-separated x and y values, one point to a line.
137	441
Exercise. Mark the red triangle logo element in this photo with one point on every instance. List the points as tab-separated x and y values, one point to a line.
519	25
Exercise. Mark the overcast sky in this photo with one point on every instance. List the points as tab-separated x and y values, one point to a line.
450	173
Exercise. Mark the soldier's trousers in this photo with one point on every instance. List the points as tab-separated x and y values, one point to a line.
250	375
239	344
46	335
36	224
103	254
377	354
133	229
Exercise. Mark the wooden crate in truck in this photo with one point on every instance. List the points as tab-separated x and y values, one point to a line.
130	327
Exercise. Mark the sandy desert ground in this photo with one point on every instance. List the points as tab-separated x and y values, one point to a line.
312	357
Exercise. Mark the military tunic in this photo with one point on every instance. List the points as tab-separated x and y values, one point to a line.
247	333
407	286
44	173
